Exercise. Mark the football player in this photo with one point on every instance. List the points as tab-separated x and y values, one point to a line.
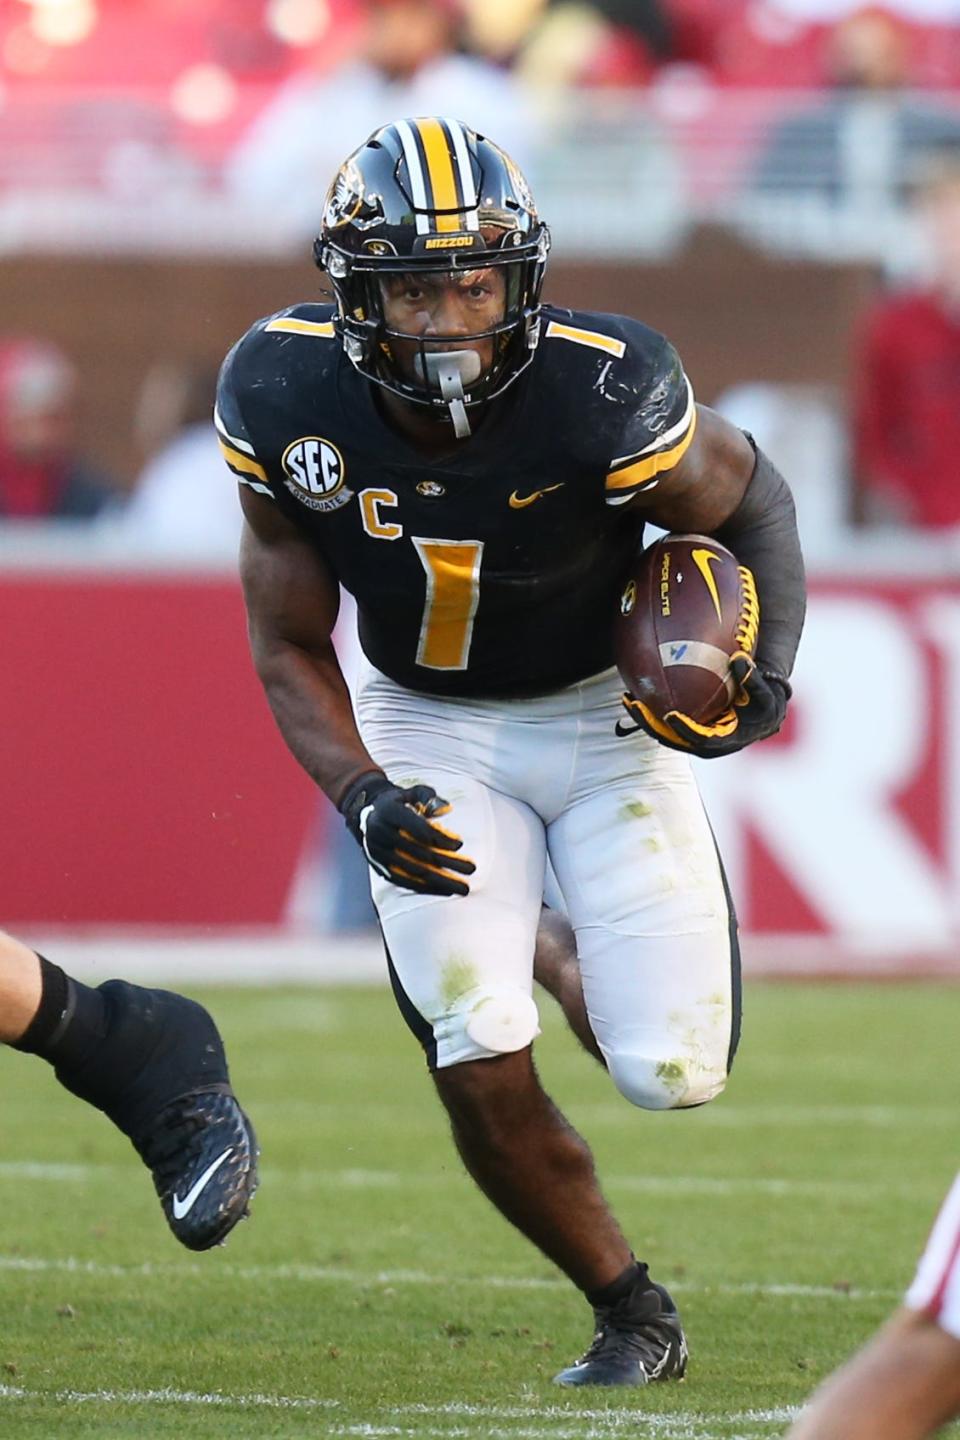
153	1062
477	469
905	1383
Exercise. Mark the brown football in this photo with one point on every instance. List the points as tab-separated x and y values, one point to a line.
685	608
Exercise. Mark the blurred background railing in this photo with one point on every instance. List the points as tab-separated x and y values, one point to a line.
622	174
775	184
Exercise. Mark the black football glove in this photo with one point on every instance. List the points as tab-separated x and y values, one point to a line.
757	711
395	831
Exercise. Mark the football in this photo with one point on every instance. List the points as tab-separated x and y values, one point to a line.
686	606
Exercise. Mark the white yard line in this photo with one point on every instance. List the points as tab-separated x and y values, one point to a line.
322	1273
169	1396
41	1170
727	1116
358	1179
551	1422
618	1419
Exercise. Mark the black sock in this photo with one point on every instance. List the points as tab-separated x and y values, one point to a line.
634	1277
157	1046
128	1050
70	1022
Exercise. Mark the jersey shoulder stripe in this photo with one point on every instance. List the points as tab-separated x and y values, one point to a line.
236	444
591	338
247	470
666	438
234	441
294	325
232	436
642	469
240	375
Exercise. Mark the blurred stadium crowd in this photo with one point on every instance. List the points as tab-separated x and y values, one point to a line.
713	100
813	132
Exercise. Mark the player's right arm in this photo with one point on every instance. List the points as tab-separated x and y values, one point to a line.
292	599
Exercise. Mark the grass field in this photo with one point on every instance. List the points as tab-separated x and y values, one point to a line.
375	1293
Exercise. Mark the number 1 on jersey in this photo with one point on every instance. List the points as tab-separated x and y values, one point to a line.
452	569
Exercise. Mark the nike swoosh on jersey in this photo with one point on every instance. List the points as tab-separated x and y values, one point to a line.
520	502
184	1206
702	558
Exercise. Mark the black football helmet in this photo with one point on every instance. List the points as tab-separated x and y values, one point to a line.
432	195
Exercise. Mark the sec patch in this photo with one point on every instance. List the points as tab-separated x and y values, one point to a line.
314	471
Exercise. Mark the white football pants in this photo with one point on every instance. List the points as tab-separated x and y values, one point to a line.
625	831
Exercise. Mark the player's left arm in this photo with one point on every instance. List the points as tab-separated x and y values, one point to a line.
722	484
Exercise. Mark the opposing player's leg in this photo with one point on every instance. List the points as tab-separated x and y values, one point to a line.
154	1063
905	1383
20	988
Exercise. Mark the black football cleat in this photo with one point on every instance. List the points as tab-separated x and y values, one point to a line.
637	1341
202	1153
159	1072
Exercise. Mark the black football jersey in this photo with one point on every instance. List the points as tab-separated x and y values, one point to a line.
496	569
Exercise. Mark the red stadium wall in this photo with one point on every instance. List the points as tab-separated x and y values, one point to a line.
143	780
141	774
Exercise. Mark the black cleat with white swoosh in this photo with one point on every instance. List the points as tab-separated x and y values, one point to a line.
202	1152
159	1071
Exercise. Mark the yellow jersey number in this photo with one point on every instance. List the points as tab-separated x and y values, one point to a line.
452	570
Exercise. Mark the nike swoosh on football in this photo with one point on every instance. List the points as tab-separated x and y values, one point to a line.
184	1206
702	558
519	502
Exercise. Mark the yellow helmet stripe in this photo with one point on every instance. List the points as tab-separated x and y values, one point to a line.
440	173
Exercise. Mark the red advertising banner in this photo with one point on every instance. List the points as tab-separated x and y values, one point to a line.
846	826
143	780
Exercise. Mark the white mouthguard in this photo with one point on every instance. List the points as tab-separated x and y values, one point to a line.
449	371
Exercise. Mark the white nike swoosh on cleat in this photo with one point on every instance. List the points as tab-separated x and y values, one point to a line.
184	1206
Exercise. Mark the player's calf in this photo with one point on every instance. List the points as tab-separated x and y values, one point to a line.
153	1061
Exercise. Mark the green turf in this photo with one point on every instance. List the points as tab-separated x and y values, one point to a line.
375	1293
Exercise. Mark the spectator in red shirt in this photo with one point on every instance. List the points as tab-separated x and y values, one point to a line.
40	475
907	366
